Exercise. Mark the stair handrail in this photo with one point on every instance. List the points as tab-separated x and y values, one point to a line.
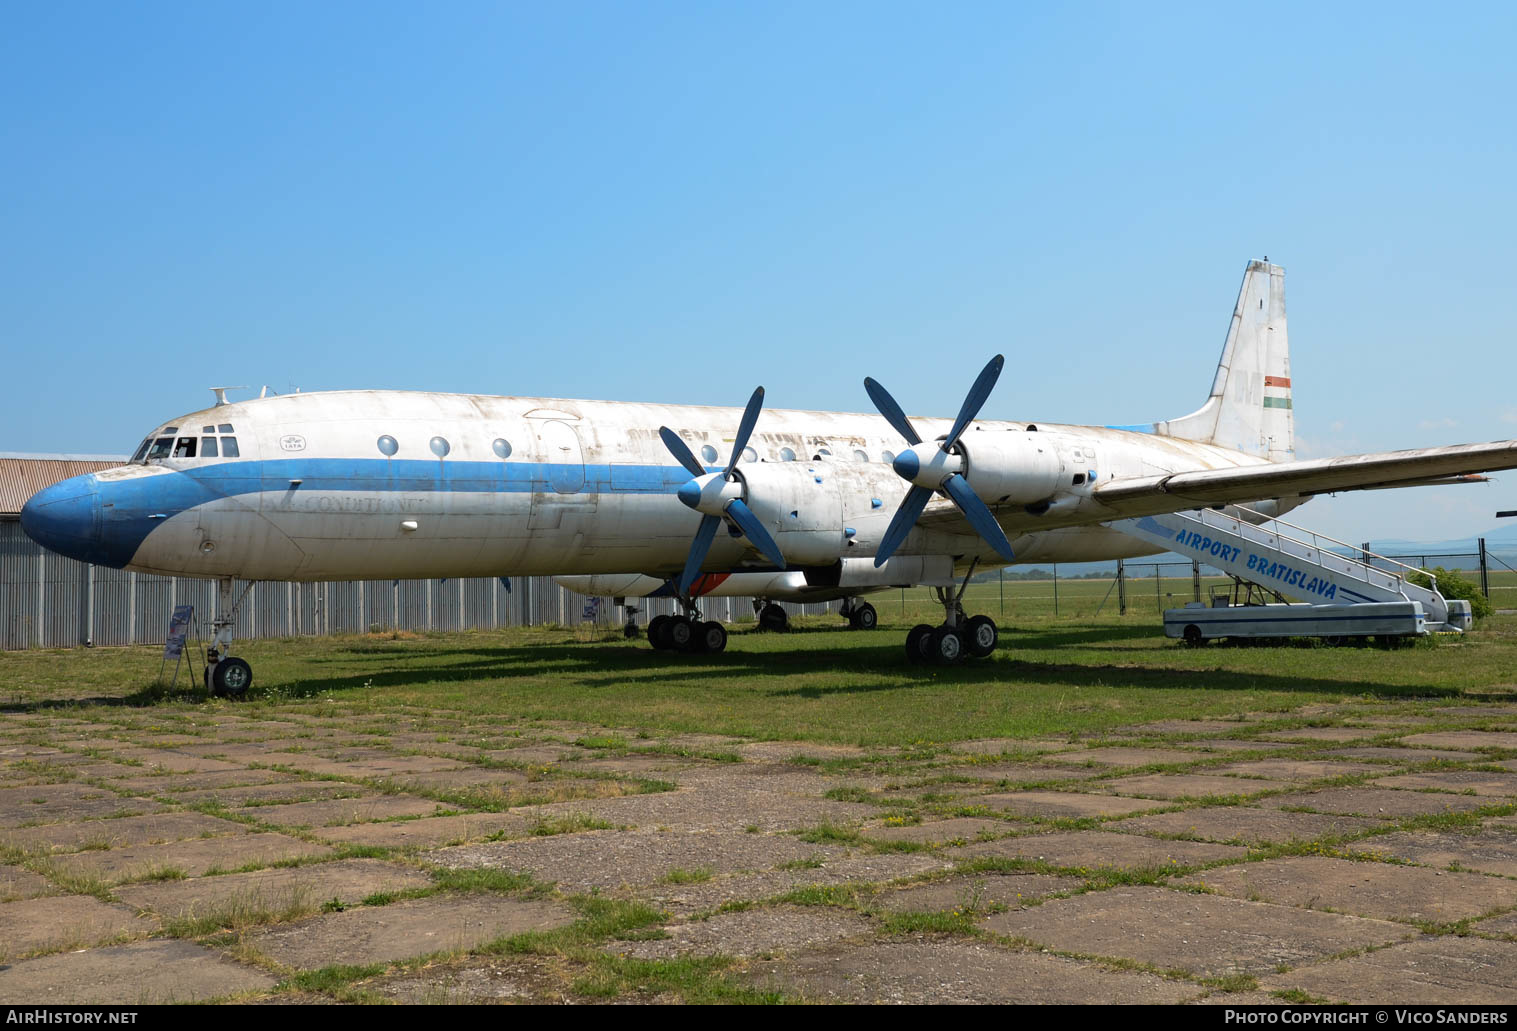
1400	573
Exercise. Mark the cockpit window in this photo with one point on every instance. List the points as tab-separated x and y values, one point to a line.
207	429
208	447
225	427
161	448
229	447
142	451
185	448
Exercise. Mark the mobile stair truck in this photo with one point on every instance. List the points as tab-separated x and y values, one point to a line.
1346	598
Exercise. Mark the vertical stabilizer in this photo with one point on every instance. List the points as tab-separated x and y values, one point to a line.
1250	404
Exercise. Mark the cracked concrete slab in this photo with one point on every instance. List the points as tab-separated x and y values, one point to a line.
1103	850
348	880
1488	851
1382	803
343	811
429	831
751	932
120	832
141	973
1448	970
1476	739
927	971
188	858
1481	782
1187	785
1067	804
940	832
1379	890
1245	825
1119	755
612	859
1206	935
63	921
686	899
973	892
403	930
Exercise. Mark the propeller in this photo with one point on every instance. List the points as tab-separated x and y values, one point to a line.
715	495
932	467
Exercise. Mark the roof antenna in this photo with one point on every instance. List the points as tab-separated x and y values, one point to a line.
220	393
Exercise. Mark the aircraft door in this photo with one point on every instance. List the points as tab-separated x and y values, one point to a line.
563	459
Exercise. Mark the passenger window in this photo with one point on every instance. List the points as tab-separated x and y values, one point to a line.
502	447
161	448
750	455
387	445
860	456
440	447
709	454
229	447
786	455
888	457
208	448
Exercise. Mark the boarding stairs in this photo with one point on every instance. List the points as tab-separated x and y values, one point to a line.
1289	559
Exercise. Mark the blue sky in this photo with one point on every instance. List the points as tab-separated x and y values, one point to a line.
677	202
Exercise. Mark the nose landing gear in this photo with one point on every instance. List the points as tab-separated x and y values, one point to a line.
225	674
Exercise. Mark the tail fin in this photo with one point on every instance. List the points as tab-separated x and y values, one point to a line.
1250	404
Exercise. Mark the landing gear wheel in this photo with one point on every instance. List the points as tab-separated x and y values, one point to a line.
916	643
981	636
658	633
709	638
946	645
1193	635
231	677
681	632
772	617
864	617
631	631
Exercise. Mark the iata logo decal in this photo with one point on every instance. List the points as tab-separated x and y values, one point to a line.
293	442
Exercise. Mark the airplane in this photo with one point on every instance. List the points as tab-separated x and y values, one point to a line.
370	484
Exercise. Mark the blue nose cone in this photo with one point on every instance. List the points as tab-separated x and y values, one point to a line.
689	493
66	518
907	465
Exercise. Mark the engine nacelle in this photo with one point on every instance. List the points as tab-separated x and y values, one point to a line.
1011	466
898	571
801	505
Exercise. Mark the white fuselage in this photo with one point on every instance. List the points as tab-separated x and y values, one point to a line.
505	486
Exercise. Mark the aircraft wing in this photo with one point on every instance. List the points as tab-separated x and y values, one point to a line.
1149	495
1153	495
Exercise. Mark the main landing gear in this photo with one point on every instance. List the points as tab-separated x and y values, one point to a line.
956	637
226	674
687	632
860	614
771	616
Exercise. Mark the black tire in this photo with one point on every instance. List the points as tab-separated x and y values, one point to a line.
1193	635
711	637
658	633
916	643
864	617
772	617
946	646
681	633
981	636
231	677
631	631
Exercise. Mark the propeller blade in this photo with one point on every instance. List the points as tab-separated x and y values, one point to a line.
983	385
890	410
979	516
905	518
745	429
698	549
680	450
754	530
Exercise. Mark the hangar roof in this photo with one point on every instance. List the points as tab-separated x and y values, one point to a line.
22	475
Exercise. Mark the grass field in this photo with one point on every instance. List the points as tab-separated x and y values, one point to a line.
819	682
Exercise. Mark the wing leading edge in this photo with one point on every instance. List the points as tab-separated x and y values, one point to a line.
1151	495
